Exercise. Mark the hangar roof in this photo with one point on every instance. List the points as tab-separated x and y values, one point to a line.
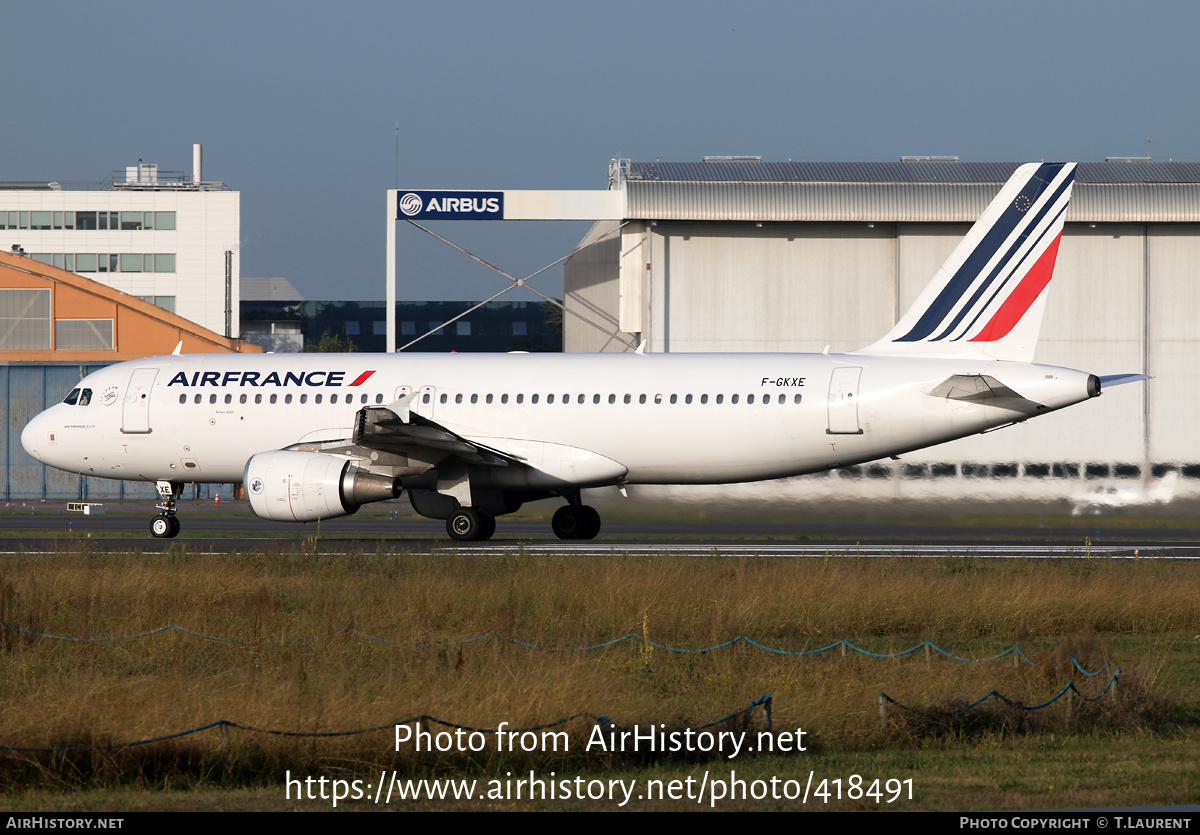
928	191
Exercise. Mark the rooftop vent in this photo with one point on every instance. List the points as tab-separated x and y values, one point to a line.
930	159
1127	159
144	173
733	159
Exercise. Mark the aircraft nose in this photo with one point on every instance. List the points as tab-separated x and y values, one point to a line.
29	437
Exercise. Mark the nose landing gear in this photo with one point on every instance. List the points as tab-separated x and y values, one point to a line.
165	525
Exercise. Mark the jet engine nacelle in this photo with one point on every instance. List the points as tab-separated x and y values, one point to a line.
291	486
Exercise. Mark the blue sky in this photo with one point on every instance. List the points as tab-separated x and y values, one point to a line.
297	104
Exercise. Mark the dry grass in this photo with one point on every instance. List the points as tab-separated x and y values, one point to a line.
55	693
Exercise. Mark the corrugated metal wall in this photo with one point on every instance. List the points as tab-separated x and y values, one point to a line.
1126	298
27	389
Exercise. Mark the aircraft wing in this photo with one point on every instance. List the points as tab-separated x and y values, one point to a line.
382	428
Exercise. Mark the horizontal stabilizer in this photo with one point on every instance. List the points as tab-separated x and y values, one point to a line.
982	388
1121	379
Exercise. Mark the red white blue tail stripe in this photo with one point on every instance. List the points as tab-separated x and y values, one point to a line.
988	296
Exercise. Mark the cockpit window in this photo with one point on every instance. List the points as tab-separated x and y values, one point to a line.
85	397
72	398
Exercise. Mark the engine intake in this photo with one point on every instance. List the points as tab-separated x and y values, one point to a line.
291	486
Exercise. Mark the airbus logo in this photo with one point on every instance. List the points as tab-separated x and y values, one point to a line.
411	204
451	205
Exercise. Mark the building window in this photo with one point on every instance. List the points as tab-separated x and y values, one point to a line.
83	334
25	319
165	302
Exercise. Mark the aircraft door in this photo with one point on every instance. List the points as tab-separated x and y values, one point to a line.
843	401
135	413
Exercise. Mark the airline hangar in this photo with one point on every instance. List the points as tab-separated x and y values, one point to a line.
738	254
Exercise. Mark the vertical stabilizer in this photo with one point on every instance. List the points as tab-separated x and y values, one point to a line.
988	298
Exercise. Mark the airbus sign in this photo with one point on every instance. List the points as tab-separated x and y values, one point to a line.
450	205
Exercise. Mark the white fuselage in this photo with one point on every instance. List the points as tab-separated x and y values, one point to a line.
626	418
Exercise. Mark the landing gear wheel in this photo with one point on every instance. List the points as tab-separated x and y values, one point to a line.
576	522
593	521
470	525
164	527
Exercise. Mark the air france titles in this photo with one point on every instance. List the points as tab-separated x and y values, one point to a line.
257	379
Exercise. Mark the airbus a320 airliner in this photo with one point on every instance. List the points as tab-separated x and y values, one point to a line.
471	437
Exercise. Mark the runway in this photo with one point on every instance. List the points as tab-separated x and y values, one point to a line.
231	528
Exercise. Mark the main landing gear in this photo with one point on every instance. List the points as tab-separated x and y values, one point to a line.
470	524
575	520
165	525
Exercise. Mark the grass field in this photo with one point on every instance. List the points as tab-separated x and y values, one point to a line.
1135	747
